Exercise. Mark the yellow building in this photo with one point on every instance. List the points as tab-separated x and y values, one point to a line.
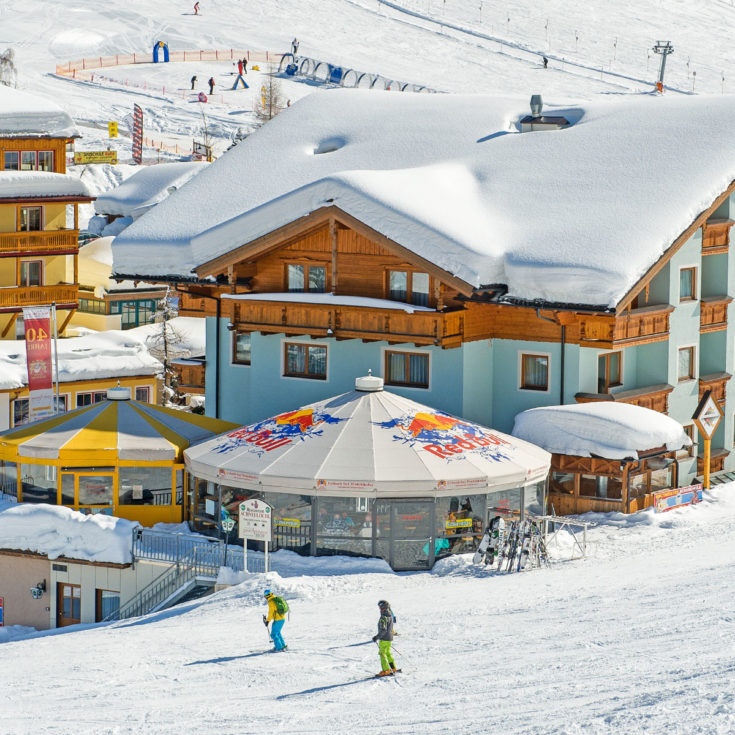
39	210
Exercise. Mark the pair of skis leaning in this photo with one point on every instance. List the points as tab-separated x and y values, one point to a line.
511	546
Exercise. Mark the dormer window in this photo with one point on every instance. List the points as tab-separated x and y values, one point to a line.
310	278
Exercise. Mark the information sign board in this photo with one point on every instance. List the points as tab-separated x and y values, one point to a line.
708	415
112	129
95	157
255	520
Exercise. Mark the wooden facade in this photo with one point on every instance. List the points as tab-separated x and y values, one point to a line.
655	397
713	313
190	375
576	483
716	236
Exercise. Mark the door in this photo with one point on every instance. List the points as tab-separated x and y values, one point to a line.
411	534
95	492
68	604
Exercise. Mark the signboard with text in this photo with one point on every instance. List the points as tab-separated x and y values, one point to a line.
112	129
255	520
37	324
95	157
677	497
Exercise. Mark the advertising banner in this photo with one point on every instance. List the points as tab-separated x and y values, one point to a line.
95	157
677	497
37	322
137	134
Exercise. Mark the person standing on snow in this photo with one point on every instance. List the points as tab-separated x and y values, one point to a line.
239	67
278	620
211	85
193	81
244	65
196	8
384	638
295	46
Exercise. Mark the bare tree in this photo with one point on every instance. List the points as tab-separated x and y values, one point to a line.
271	101
166	345
8	70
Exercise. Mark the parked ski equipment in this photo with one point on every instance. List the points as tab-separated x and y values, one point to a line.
512	545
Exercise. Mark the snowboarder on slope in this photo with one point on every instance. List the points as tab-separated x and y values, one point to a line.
295	46
196	8
384	638
278	620
211	85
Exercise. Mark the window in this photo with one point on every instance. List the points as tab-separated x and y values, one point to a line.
136	313
143	394
38	484
312	278
534	372
241	348
45	160
92	306
305	361
407	368
21	411
608	371
60	404
145	486
31	219
12	161
107	602
562	482
689	431
28	160
686	363
409	287
31	273
87	399
598	486
687	284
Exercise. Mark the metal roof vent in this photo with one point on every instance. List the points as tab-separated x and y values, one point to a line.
537	105
369	383
118	394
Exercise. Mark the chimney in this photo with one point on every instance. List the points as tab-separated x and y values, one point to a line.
537	121
536	105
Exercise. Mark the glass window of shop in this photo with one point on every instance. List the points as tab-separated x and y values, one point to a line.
344	526
562	482
96	489
662	479
412	525
144	486
38	482
460	522
599	486
506	503
637	485
9	478
291	521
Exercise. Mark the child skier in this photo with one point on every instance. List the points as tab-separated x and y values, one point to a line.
278	618
384	638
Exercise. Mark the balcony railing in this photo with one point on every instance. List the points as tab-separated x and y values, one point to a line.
715	382
350	322
19	296
54	241
716	236
713	313
638	326
655	397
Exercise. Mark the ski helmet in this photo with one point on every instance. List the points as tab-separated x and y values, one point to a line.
266	593
383	603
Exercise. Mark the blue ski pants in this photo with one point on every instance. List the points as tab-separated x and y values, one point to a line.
276	634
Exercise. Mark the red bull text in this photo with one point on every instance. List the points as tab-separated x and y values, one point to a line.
467	443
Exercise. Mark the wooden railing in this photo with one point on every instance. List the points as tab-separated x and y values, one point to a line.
715	382
191	304
713	313
357	322
31	242
17	296
716	236
655	397
644	325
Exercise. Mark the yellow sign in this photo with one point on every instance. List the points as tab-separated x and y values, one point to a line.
96	157
461	523
293	522
112	127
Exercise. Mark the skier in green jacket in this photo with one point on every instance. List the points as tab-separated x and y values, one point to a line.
384	639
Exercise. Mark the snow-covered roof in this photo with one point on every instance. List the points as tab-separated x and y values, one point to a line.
101	355
186	336
23	115
328	298
40	184
551	214
602	429
95	269
58	531
147	187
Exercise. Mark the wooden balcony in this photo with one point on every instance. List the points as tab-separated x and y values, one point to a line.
635	327
54	241
715	382
713	313
16	297
396	326
655	397
717	461
716	236
196	304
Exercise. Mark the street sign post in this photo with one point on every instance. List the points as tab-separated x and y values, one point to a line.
707	418
255	522
112	129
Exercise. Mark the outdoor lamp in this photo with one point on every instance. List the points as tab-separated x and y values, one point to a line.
38	590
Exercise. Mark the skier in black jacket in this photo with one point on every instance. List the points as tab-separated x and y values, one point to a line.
384	639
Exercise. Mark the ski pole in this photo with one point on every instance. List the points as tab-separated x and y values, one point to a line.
265	622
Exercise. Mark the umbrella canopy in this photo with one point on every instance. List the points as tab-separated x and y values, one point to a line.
368	442
110	430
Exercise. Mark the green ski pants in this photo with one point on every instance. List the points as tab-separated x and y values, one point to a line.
386	657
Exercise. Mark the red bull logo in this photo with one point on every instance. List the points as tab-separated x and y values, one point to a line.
432	422
304	419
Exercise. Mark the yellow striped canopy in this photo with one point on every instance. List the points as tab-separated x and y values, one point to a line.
109	431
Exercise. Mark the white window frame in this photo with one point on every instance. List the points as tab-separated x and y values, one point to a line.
398	348
519	373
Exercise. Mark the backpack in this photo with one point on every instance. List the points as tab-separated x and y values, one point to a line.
281	605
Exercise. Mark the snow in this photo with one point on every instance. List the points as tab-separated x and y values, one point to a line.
329	299
146	188
26	114
40	183
110	354
62	532
603	429
452	179
186	336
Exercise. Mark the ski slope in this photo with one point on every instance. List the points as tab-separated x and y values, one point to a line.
638	638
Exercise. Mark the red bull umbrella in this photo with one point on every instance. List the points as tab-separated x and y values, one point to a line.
368	442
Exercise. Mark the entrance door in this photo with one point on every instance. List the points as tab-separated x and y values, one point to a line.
95	492
411	540
68	604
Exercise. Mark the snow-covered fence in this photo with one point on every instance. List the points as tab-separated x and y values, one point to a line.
569	542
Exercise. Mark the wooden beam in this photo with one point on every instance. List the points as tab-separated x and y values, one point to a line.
76	269
66	321
333	238
698	222
10	324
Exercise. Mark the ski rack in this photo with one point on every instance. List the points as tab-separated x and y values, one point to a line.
561	523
